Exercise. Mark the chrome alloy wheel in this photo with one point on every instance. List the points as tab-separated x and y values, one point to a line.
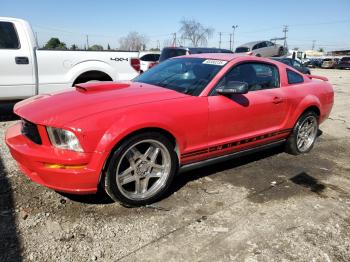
143	169
307	133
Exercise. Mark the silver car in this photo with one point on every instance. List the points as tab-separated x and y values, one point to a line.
261	48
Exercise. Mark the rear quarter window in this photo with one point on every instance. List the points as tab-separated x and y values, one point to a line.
294	78
8	36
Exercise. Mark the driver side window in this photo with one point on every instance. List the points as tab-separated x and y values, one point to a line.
258	76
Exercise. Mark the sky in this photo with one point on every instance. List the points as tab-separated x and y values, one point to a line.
105	22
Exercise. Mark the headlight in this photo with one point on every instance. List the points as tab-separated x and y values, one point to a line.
64	139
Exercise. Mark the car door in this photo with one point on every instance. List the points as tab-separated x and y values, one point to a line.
264	49
272	49
247	119
16	73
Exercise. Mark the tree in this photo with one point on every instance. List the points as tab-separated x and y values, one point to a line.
108	47
195	32
134	41
74	47
55	43
96	48
321	49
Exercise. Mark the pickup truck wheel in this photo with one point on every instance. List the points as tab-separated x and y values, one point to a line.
141	169
304	134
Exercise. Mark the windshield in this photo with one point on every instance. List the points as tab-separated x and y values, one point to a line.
185	75
171	52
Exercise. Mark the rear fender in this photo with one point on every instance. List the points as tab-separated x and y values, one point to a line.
307	102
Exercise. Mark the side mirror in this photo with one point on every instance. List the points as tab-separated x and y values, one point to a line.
233	87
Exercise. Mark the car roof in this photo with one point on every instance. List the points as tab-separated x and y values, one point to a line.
195	48
281	58
250	44
224	56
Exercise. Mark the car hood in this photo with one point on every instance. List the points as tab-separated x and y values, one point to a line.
60	108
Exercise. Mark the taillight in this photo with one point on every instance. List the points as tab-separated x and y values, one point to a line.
135	63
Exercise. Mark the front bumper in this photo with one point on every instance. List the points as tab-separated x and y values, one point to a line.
34	159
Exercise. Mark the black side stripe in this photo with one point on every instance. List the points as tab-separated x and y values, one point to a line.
234	144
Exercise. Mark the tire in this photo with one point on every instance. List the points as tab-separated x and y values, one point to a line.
148	163
258	55
281	52
305	130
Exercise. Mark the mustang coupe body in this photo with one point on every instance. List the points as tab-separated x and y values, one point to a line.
131	138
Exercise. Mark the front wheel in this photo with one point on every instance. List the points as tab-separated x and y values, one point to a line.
141	169
304	134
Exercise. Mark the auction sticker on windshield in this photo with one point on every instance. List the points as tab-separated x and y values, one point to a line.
215	62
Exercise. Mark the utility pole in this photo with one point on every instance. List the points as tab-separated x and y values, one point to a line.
233	35
230	41
87	41
220	39
174	40
36	37
285	30
313	44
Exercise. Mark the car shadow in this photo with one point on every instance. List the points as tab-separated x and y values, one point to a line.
100	198
10	245
6	111
182	179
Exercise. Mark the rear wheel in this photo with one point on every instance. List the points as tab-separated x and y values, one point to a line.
304	134
281	52
141	169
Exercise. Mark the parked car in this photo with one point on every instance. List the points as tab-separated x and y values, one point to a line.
131	138
148	60
344	63
27	71
329	63
169	52
313	63
261	48
293	63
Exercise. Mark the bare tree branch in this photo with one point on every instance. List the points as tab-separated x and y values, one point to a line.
195	32
134	41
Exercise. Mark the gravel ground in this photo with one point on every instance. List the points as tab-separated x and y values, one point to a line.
268	206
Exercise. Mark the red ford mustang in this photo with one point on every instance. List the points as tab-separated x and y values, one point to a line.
131	138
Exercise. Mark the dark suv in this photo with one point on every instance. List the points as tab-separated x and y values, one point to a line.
344	63
169	52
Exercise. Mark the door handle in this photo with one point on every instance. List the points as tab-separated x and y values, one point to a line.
22	60
277	100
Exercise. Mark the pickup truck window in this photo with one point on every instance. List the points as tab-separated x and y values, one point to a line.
8	36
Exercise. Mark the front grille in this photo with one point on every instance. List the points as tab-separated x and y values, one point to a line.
31	131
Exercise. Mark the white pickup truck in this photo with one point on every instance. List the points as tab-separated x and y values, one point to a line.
26	70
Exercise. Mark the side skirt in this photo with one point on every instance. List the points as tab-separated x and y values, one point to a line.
219	159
